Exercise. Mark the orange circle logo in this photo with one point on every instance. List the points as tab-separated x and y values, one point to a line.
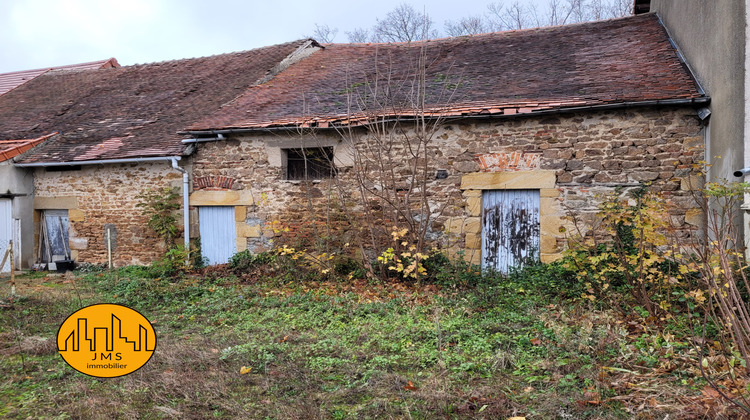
106	340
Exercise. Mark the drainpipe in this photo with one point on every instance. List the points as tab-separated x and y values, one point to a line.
185	202
173	159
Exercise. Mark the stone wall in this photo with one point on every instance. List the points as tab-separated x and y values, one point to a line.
571	158
100	195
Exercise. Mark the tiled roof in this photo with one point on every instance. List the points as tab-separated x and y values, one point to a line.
12	148
12	80
598	63
133	111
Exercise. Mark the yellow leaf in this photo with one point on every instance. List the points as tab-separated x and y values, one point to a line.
245	370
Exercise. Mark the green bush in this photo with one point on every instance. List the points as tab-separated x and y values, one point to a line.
245	260
554	279
445	271
176	262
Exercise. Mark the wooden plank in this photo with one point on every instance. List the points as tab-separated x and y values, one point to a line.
218	234
510	228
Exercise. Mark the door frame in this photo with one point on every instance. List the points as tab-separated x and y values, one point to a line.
469	227
230	227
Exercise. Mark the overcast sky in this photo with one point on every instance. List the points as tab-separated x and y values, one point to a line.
43	33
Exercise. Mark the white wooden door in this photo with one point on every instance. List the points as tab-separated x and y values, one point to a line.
218	237
510	228
6	231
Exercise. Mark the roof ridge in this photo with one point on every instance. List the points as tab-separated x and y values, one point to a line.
567	26
227	54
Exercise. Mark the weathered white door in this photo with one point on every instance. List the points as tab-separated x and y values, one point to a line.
57	235
510	228
218	237
6	231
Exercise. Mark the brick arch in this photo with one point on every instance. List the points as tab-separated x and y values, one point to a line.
213	183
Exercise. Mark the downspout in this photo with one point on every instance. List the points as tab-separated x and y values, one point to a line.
185	202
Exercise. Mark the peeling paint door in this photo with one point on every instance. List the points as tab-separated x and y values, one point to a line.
510	228
218	237
58	236
6	231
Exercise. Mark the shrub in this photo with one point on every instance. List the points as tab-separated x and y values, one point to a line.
176	262
159	205
245	260
633	253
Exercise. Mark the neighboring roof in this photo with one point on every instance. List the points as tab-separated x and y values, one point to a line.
12	80
610	62
12	148
135	111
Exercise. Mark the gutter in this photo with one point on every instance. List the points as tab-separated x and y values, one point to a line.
172	159
204	140
96	162
705	100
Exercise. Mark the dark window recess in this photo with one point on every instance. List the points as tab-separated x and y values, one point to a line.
313	163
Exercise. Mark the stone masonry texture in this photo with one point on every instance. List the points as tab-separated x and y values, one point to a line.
108	195
590	154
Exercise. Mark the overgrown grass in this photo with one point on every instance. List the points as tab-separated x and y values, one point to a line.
486	347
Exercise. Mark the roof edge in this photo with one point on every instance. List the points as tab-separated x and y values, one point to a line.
704	100
681	56
98	162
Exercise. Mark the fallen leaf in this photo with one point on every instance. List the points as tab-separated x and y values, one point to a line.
536	341
410	387
245	370
710	392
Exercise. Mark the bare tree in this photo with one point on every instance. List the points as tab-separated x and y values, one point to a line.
515	16
404	24
519	15
324	33
359	35
466	26
557	13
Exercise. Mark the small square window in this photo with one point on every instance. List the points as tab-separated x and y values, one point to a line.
310	163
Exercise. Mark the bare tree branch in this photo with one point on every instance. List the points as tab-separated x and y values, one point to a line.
360	35
404	24
324	33
466	26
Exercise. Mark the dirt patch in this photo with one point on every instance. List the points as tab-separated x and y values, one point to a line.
44	285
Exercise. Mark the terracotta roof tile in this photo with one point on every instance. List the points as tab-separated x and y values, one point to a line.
12	148
14	79
133	111
597	63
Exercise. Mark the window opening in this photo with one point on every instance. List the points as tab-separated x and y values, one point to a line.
309	163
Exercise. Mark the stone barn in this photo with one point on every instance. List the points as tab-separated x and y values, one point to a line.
117	139
480	144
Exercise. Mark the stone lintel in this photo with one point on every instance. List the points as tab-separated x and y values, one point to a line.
56	203
508	180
